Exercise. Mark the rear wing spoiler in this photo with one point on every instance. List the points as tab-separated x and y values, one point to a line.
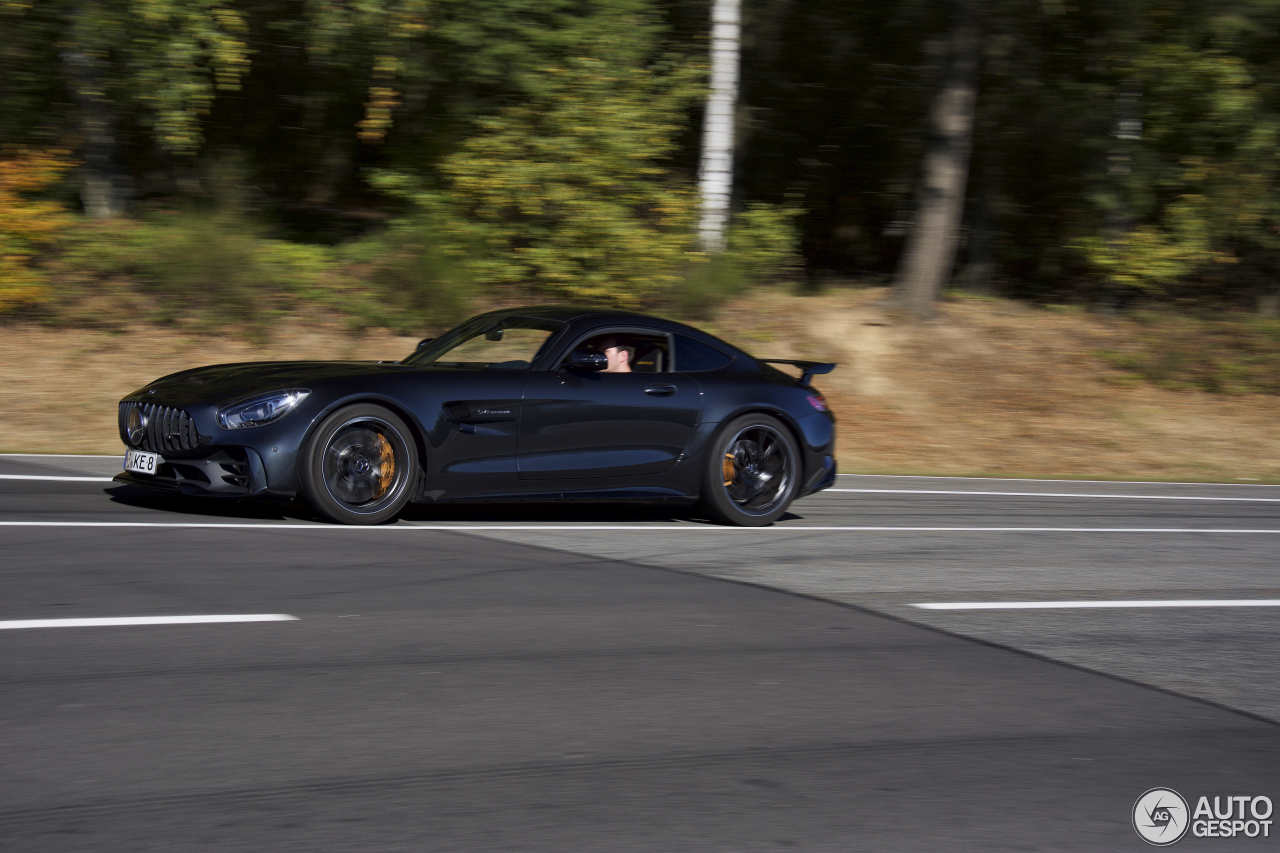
808	369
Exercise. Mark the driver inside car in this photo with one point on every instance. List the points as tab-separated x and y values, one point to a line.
618	354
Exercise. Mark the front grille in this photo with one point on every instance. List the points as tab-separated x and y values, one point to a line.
168	429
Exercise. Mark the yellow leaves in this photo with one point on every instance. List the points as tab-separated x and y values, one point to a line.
230	51
27	225
18	289
377	113
1147	257
409	20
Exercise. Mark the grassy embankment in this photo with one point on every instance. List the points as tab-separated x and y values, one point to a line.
991	388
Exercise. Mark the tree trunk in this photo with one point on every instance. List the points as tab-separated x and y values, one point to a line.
101	185
715	176
931	246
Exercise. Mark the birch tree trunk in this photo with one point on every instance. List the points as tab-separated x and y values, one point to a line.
715	174
931	246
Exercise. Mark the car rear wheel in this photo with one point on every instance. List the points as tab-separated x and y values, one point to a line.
359	465
752	471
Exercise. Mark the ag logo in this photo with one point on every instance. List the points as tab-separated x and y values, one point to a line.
1161	817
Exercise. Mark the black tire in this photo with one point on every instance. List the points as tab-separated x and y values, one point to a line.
752	471
359	466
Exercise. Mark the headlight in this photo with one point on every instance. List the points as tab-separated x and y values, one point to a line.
260	410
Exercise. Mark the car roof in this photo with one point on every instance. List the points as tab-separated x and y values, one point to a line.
587	317
567	313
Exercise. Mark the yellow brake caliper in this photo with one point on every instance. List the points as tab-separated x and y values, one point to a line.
728	470
386	465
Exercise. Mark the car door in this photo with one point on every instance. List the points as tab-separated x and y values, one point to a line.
474	438
579	427
471	393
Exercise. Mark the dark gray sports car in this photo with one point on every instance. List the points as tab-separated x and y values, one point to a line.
546	403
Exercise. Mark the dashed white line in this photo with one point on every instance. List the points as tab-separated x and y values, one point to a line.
1054	495
587	527
130	621
56	479
60	456
1098	605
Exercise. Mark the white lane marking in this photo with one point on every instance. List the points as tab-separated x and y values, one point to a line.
60	455
849	474
1098	605
1050	480
632	528
118	621
60	479
69	479
1051	495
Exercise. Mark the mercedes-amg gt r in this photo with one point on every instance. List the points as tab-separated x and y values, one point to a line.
515	404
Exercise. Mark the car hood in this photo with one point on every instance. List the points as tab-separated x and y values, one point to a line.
226	383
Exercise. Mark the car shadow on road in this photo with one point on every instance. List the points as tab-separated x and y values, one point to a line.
561	512
241	508
566	512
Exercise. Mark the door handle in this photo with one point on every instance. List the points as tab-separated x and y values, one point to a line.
660	390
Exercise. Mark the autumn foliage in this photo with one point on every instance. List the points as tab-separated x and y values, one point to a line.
29	224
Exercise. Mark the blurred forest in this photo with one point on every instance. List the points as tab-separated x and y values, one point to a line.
388	159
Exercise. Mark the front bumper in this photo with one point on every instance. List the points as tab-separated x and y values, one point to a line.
224	471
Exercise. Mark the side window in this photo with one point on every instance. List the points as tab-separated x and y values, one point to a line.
641	352
695	357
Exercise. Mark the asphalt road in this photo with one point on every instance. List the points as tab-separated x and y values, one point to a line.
577	678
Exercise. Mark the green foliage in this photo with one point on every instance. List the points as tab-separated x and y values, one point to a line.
1146	258
207	265
410	286
195	264
1231	355
548	148
708	283
344	34
180	53
567	193
167	57
763	240
215	267
1200	180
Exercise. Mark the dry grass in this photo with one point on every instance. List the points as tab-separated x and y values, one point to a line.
59	387
991	387
999	388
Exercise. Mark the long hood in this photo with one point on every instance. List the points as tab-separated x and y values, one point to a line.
225	383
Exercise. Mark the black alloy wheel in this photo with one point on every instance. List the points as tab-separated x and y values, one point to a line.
359	465
752	471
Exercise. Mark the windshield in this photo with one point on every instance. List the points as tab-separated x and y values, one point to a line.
509	343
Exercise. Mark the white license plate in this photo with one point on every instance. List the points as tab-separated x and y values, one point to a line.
141	462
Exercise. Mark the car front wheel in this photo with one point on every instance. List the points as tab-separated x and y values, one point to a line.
752	471
359	466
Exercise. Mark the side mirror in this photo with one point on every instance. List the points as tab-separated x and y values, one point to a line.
422	344
587	362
